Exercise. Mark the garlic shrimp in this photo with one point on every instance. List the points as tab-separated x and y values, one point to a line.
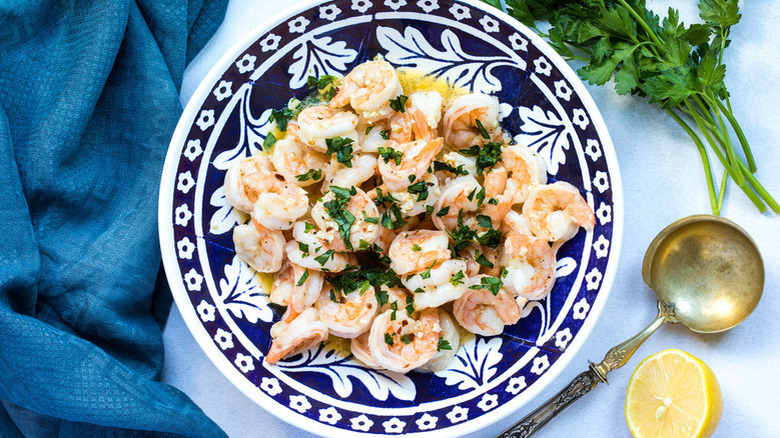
261	248
346	223
529	264
400	342
303	332
297	162
484	313
472	119
416	157
449	342
317	124
347	315
556	211
415	251
368	88
437	285
296	286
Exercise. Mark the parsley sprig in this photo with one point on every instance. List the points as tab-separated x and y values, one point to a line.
677	66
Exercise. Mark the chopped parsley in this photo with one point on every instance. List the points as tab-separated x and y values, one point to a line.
389	339
443	345
282	117
310	174
443	211
427	273
399	103
458	171
409	306
484	261
303	277
419	188
322	259
389	153
416	248
269	141
337	210
493	284
484	221
385	134
405	339
482	131
342	147
457	278
488	156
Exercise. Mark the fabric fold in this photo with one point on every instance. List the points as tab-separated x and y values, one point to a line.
89	95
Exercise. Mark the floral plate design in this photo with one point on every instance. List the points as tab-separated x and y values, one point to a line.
225	303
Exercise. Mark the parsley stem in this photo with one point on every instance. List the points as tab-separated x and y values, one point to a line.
740	135
704	160
642	23
759	188
722	193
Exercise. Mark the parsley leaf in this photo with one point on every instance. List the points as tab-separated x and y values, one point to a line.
342	147
399	103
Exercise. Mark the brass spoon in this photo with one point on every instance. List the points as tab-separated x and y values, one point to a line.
707	274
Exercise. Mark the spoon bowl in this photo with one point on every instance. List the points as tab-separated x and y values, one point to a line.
706	271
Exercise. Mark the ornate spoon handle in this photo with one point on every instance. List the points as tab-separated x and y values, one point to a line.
581	385
615	358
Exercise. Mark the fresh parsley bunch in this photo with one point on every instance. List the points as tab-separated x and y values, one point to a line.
680	67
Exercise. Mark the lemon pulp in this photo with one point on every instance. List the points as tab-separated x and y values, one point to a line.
673	394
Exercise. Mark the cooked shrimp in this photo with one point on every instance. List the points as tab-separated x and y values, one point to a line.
499	195
449	337
359	348
297	162
368	88
458	199
281	205
401	343
529	264
259	247
395	295
298	335
419	120
245	179
489	256
308	250
347	315
296	286
362	231
438	285
464	116
526	169
481	312
373	135
339	175
416	158
556	211
317	124
515	223
418	250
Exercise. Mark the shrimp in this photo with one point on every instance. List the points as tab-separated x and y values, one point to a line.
281	205
302	332
362	231
373	136
347	315
368	88
449	337
317	124
360	350
488	260
298	162
556	211
296	286
457	200
438	285
310	251
415	160
363	168
419	120
530	266
526	169
464	116
244	180
499	195
259	247
515	223
415	251
465	166
481	312
395	295
401	343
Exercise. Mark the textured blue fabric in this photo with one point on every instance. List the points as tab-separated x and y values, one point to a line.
89	95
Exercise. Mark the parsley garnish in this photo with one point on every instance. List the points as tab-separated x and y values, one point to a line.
443	211
389	339
399	103
282	117
484	261
389	153
458	171
420	188
337	210
405	339
322	259
482	131
269	141
457	278
385	134
427	273
342	147
409	306
310	174
443	345
493	284
303	277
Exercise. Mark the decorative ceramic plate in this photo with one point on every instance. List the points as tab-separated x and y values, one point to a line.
225	304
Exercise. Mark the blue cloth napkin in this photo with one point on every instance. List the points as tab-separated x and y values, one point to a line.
89	95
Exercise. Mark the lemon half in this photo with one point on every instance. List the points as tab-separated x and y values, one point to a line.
673	394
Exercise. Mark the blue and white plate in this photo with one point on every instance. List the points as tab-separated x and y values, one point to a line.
225	304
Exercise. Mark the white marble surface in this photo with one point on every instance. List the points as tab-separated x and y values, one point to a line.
662	182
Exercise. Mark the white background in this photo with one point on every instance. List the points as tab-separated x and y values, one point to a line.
662	181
